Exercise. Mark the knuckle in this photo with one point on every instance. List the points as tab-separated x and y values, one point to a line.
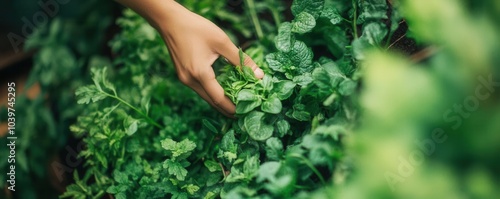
218	101
249	62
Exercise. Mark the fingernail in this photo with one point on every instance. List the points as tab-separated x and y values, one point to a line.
259	73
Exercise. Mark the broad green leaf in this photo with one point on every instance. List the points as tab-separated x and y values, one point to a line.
303	80
212	165
301	56
283	89
228	142
347	87
278	61
303	23
268	171
332	15
272	105
247	106
247	95
256	127
283	126
274	148
267	82
251	166
313	7
132	128
248	74
374	32
284	39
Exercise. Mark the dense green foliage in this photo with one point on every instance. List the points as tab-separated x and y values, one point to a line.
147	135
337	115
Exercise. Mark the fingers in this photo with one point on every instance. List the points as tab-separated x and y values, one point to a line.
201	92
215	92
231	53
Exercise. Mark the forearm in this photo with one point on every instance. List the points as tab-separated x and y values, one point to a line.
156	12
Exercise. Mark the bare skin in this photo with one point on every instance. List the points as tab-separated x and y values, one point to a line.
194	43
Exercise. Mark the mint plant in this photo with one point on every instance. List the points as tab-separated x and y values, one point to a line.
149	136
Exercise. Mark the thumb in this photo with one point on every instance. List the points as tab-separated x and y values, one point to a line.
231	53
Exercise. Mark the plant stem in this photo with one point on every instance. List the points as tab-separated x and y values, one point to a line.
255	19
276	17
151	121
354	20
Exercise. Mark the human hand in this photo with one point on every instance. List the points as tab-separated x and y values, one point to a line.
195	44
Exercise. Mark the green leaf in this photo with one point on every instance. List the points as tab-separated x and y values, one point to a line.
256	127
247	95
332	15
191	188
313	7
278	61
176	169
347	87
267	82
132	128
228	142
301	56
283	126
283	89
251	167
303	23
268	171
212	166
274	148
248	74
178	149
303	80
86	94
247	106
209	126
272	105
284	39
374	33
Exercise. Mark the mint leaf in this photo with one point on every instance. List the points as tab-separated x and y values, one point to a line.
247	106
272	105
301	56
247	95
283	89
313	7
283	126
284	39
212	166
274	148
303	23
251	167
175	168
179	150
256	127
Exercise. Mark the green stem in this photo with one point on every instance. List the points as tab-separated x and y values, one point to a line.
276	17
311	166
150	120
354	20
255	19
